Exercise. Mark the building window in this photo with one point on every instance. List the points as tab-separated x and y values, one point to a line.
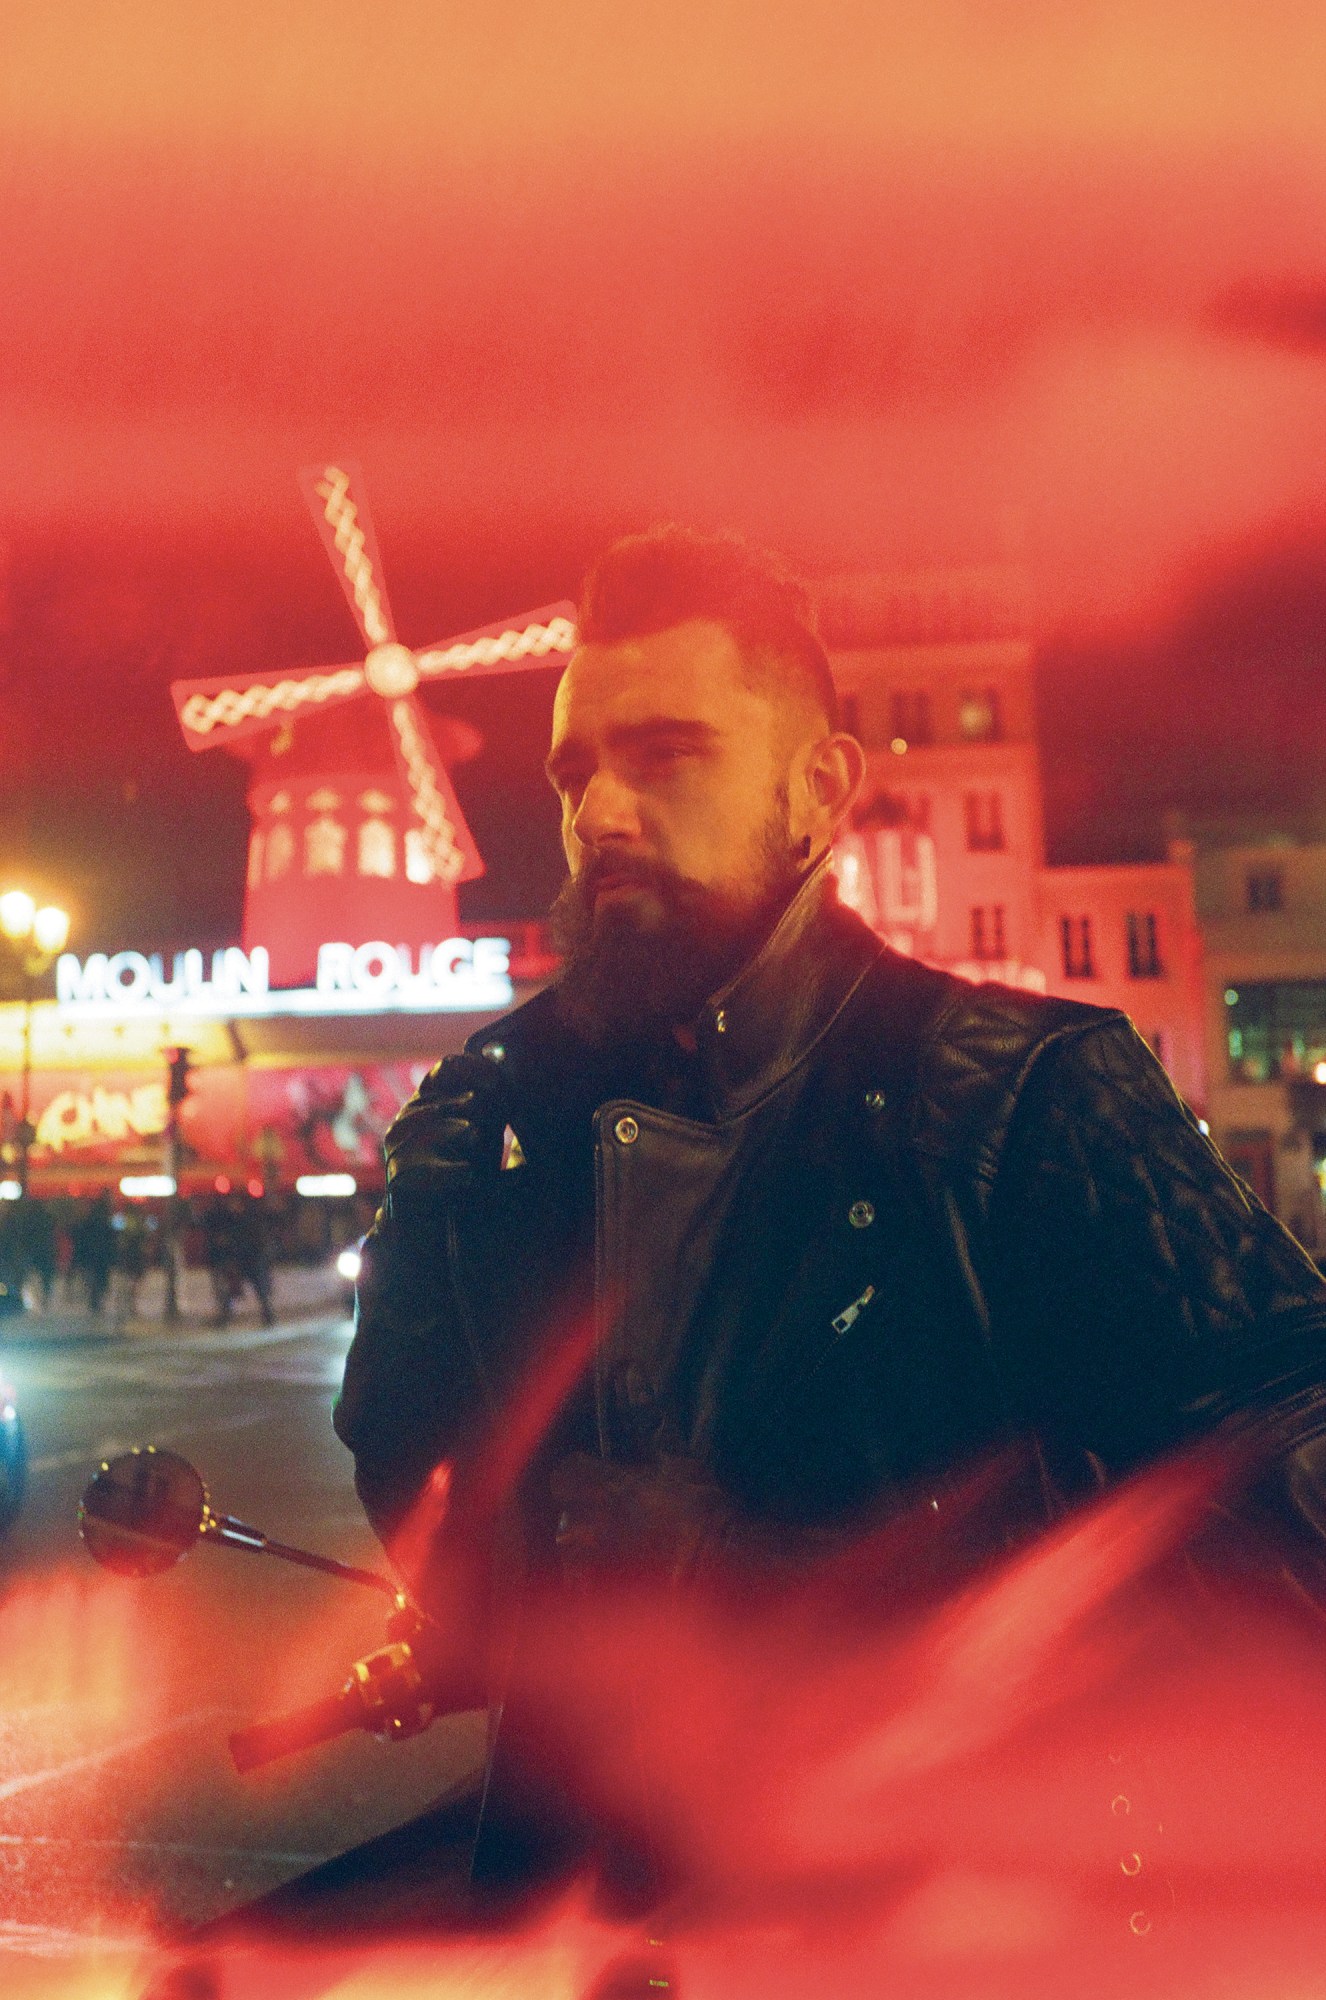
324	846
418	864
1075	939
909	711
1276	1028
985	822
1266	888
280	851
987	930
1143	946
377	848
906	810
979	720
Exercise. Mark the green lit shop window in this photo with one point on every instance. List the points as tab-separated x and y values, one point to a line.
1276	1029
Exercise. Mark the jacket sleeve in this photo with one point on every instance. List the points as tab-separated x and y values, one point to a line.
449	1320
1144	1296
413	1383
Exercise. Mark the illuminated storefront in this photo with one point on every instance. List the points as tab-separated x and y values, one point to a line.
1263	915
284	1083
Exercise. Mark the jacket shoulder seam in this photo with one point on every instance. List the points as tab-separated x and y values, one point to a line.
980	1135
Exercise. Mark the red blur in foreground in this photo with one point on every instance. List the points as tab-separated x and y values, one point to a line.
1073	1774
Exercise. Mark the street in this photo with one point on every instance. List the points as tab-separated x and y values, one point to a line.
119	1807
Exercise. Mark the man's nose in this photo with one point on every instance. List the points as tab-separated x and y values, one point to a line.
607	811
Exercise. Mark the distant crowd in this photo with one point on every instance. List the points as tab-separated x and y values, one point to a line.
92	1255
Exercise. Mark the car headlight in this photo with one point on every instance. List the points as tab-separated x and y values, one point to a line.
349	1264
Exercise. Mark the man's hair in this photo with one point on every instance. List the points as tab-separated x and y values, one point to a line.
646	583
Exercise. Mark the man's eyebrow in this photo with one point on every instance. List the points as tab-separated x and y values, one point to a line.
687	731
564	757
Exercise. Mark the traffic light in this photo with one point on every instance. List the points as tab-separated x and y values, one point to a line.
179	1064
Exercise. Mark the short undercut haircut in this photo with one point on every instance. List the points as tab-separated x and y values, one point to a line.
647	583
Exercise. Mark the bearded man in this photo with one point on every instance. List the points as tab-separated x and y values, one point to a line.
845	1225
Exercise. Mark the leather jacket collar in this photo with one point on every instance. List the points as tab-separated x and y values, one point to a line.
754	1032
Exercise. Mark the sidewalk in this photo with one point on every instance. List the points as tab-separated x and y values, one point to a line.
298	1292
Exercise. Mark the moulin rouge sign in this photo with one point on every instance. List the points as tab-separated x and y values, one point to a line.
460	975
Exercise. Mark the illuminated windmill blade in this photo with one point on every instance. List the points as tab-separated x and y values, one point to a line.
543	638
335	495
446	839
233	705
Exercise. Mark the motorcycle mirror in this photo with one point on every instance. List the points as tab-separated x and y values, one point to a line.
143	1511
146	1509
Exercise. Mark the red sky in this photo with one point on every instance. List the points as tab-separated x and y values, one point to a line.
874	283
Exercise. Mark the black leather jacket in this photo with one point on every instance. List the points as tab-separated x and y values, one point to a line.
882	1221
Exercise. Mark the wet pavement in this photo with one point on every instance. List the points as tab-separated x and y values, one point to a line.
119	1808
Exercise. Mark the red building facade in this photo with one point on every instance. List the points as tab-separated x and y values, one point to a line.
946	856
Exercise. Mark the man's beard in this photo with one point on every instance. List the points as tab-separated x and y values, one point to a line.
632	969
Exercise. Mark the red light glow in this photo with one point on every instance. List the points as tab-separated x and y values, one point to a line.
887	288
879	1771
885	284
860	1791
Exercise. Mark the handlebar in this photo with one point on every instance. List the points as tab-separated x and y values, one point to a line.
300	1729
392	1693
145	1509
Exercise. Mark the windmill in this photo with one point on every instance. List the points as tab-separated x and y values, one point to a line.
349	840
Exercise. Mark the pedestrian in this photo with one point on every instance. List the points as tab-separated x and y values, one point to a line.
11	1261
65	1217
219	1252
235	1233
94	1250
132	1257
36	1226
250	1250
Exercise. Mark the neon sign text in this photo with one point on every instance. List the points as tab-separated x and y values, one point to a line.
134	978
78	1118
374	970
460	975
890	878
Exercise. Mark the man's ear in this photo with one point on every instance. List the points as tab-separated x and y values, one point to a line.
831	775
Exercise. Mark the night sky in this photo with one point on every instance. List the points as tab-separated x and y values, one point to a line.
878	285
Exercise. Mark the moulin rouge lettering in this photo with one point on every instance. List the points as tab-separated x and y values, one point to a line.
457	974
136	978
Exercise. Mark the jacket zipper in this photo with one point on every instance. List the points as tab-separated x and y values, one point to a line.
851	1314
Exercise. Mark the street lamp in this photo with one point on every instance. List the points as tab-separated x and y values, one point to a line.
34	938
